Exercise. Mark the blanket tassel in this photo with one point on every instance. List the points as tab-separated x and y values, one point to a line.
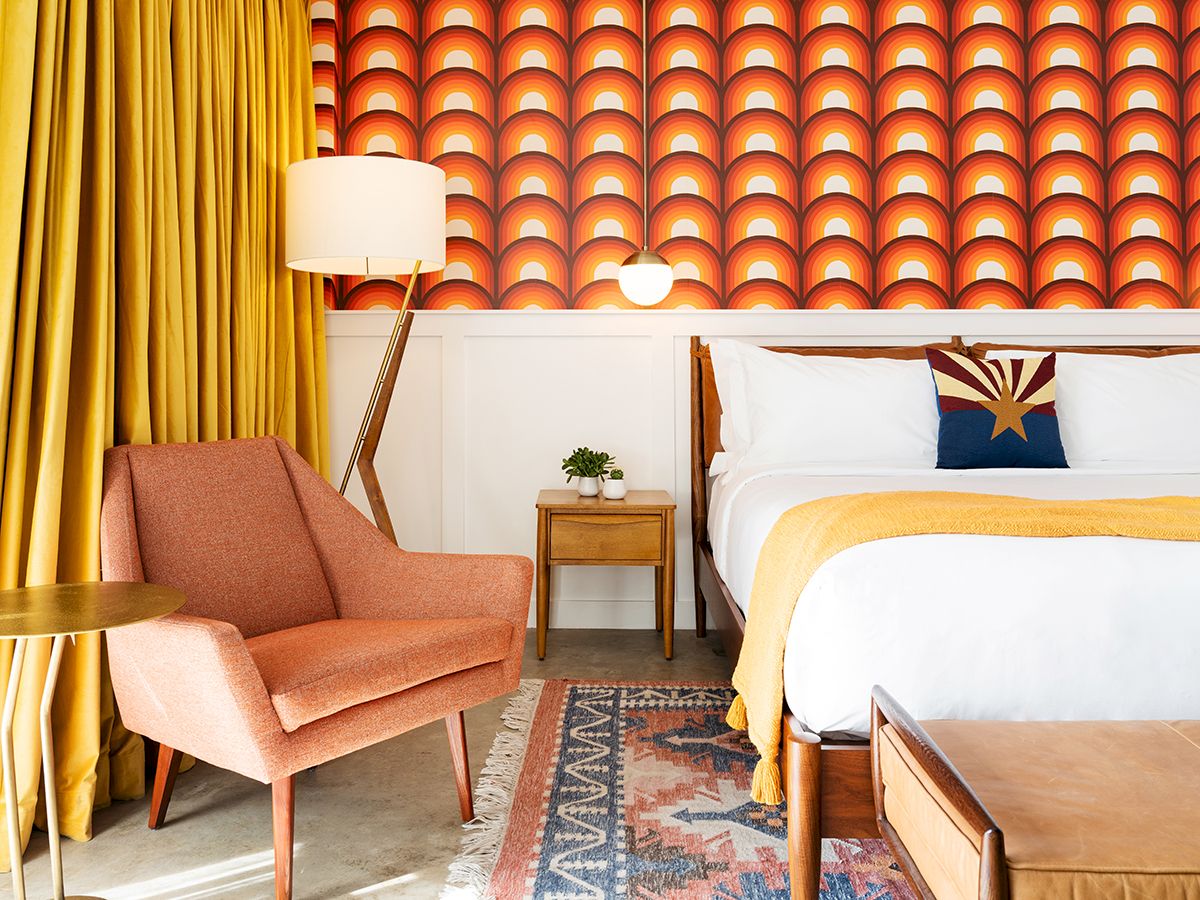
736	717
766	787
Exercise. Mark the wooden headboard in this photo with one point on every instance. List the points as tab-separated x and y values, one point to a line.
710	405
706	407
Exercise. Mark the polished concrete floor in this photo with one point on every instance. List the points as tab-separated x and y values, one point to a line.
382	822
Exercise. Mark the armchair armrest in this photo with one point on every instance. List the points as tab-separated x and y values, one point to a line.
190	683
443	585
371	578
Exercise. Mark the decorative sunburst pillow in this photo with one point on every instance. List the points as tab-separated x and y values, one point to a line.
996	413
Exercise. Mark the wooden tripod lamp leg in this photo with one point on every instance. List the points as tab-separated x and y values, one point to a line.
370	441
371	430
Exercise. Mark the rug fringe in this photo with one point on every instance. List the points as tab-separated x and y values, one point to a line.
480	850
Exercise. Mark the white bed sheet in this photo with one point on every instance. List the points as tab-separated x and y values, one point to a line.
977	626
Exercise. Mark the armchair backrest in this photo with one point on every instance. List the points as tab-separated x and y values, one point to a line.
221	522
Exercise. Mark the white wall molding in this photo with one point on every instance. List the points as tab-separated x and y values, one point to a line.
1114	324
488	402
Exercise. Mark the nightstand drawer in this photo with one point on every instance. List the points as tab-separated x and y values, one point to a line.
605	537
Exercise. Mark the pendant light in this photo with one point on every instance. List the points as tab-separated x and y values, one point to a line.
645	277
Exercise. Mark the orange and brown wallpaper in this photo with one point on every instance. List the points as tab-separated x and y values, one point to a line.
826	153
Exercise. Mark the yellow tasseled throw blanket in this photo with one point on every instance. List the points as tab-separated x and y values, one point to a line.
811	533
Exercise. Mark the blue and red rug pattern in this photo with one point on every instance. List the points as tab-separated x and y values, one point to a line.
643	791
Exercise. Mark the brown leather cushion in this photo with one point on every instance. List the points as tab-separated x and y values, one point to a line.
1088	809
317	670
980	349
712	403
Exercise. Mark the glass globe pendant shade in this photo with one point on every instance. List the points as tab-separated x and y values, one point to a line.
645	278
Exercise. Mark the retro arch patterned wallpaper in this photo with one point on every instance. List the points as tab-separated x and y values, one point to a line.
830	153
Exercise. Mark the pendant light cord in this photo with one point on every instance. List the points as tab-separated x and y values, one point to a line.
645	124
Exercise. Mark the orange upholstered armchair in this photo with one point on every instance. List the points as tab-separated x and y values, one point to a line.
306	634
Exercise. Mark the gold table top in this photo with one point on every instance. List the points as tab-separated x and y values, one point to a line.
54	609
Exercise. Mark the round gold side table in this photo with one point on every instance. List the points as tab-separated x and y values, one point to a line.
60	611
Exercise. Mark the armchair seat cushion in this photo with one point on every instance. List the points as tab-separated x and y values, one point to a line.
313	671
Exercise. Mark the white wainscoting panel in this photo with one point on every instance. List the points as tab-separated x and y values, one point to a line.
489	402
530	400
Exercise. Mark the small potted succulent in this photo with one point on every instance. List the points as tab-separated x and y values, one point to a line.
614	487
590	467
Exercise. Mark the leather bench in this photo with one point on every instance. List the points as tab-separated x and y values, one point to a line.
1039	810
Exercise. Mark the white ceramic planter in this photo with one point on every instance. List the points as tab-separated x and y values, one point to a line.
614	489
589	487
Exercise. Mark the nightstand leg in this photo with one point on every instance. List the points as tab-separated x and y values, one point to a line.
543	582
668	588
658	598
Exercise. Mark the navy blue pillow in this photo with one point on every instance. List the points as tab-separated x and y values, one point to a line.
996	413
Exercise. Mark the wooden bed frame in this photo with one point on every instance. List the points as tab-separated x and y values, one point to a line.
827	783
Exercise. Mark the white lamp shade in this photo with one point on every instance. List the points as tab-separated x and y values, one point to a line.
365	215
645	278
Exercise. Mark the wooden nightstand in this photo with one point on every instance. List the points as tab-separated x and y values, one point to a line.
591	531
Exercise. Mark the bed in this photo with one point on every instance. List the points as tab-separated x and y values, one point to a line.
874	614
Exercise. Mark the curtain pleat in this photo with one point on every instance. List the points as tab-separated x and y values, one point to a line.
143	298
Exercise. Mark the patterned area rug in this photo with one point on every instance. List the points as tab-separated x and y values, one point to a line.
602	790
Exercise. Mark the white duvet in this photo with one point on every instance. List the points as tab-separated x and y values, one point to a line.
969	626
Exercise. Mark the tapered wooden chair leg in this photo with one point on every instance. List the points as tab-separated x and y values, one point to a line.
164	783
283	819
456	728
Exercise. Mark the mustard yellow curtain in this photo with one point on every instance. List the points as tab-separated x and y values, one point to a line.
143	297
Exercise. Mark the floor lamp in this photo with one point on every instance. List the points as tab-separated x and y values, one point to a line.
369	215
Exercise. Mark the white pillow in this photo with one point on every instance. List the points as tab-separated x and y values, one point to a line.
828	409
729	378
1129	409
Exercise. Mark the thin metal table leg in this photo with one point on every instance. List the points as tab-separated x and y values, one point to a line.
11	801
48	779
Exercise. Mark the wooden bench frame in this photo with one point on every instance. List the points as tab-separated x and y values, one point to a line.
993	870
